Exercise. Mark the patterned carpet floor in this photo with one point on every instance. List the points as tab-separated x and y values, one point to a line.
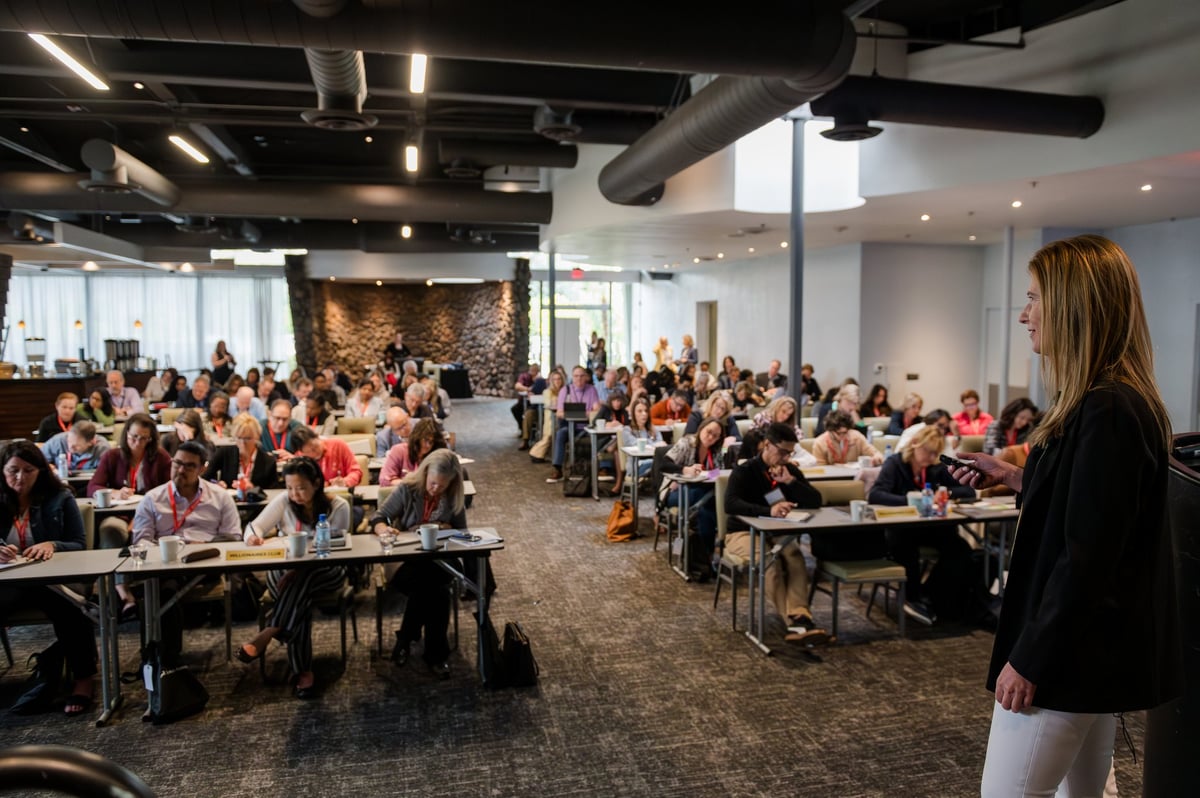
645	689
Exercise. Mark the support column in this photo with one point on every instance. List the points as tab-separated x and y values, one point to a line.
551	264
5	276
1006	311
796	247
301	297
520	321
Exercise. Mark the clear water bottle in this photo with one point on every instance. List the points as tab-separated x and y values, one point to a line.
870	435
926	501
63	465
887	452
322	539
242	484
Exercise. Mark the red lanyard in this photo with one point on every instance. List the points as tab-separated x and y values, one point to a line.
278	444
431	503
61	425
133	469
178	522
314	421
248	465
920	483
708	461
771	479
218	427
1012	436
21	528
845	449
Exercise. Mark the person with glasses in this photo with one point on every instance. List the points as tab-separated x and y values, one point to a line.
769	484
277	438
254	461
195	510
580	391
972	420
840	443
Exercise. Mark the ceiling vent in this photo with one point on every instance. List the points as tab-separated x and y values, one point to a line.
512	179
196	224
461	169
556	125
464	235
847	130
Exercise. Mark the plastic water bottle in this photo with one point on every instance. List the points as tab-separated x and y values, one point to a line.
241	486
926	501
887	451
941	500
322	539
64	465
870	435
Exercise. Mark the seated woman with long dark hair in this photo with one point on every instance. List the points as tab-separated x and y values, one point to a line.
98	408
691	456
39	517
433	494
876	405
296	510
404	458
1017	420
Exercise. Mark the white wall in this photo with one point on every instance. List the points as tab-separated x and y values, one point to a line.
920	314
1168	265
993	325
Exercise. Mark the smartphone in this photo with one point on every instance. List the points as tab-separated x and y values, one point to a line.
954	462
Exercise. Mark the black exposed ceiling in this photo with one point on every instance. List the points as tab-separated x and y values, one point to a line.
243	103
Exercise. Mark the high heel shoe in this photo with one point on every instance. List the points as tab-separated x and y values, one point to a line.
244	656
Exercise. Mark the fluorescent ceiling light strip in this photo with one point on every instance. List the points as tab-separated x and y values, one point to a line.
69	61
187	147
418	67
412	157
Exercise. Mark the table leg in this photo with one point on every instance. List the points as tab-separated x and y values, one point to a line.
595	439
681	569
1000	557
110	660
633	489
757	591
481	606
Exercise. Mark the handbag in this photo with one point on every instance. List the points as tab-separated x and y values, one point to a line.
520	668
620	522
43	684
174	693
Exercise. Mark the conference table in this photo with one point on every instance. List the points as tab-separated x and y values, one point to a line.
832	520
704	478
595	435
636	455
69	567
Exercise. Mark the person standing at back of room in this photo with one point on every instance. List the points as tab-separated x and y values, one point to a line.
1089	627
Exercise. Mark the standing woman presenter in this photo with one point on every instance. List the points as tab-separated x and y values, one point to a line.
1089	628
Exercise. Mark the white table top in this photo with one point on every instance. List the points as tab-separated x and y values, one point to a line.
634	451
370	493
65	566
827	518
376	463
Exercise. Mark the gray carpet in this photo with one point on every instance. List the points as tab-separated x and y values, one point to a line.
645	690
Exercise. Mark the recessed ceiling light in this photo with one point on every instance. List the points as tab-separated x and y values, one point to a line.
187	268
429	283
1146	187
91	266
666	265
1016	203
720	255
379	283
332	279
751	249
783	244
188	147
418	67
457	280
970	238
695	260
69	62
139	85
406	231
412	157
353	220
24	129
924	217
368	139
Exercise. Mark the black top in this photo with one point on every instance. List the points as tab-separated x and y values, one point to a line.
897	478
810	388
225	465
1089	610
750	483
49	426
398	355
222	373
55	518
189	400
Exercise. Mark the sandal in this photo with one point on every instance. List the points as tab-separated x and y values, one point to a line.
77	704
129	612
245	656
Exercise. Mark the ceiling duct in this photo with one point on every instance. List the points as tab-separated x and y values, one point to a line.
240	231
313	235
859	99
196	224
27	228
515	153
52	191
544	32
555	124
512	179
730	107
339	77
460	169
115	171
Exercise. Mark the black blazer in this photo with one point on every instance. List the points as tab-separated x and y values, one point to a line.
897	478
748	486
1089	610
55	518
225	464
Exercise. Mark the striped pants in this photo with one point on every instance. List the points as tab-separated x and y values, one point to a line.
292	612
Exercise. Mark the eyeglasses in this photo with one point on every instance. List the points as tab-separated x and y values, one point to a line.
788	452
240	439
182	466
135	438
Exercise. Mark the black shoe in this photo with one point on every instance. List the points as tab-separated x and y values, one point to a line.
556	475
305	693
537	460
920	612
400	651
441	670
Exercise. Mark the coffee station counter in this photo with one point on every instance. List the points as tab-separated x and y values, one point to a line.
26	402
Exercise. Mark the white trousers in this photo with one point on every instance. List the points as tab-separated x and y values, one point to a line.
1040	752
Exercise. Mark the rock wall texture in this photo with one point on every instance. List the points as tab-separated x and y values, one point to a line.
485	326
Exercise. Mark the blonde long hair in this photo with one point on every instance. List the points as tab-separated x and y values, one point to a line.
1093	329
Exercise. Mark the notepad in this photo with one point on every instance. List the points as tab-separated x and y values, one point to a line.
896	512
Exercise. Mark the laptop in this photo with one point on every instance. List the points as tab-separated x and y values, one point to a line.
575	411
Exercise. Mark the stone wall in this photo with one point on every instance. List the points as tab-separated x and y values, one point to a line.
485	327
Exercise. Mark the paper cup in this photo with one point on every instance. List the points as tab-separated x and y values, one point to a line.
858	510
864	461
428	536
297	545
102	498
169	547
914	498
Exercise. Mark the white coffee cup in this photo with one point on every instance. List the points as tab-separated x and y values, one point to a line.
600	422
169	547
858	509
643	444
428	536
914	498
102	498
297	545
864	461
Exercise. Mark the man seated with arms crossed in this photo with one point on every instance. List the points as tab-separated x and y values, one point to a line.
364	403
80	444
198	512
674	409
279	435
580	391
125	401
60	420
770	485
337	462
197	397
397	426
244	401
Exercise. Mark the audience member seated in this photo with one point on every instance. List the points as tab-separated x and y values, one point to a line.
705	384
189	426
616	417
341	380
876	405
216	424
176	389
231	385
436	396
542	447
718	407
254	461
125	401
415	404
673	409
730	374
39	517
279	436
639	427
529	384
197	511
580	391
397	426
637	389
914	467
325	392
299	397
98	409
746	397
772	383
197	397
337	462
693	455
82	446
846	398
405	457
244	401
769	485
972	420
944	423
317	416
363	403
784	411
840	443
608	385
270	392
1017	420
908	414
252	378
292	590
61	419
433	494
808	384
157	386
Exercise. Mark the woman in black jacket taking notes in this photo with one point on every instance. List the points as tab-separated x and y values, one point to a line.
1089	627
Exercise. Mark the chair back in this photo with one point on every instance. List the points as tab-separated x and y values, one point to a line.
971	443
839	491
806	409
807	444
881	443
88	514
677	432
743	426
118	433
656	473
169	414
808	426
359	443
878	423
349	426
719	503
